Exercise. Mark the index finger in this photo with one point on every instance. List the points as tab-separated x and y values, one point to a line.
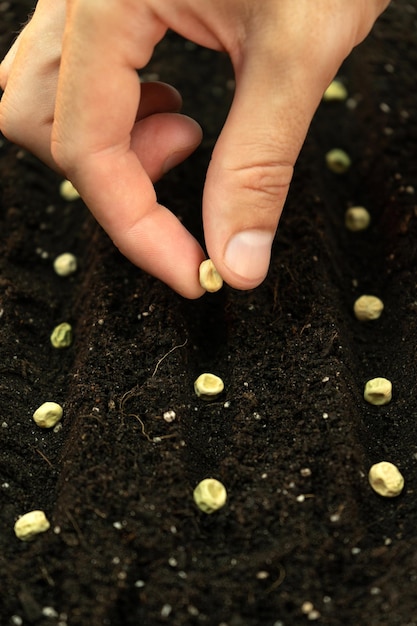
97	102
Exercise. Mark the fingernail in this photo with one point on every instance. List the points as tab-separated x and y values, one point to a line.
171	162
248	254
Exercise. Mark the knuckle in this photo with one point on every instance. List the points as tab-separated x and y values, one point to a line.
65	155
11	122
59	154
268	183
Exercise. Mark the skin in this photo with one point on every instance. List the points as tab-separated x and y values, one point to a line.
72	97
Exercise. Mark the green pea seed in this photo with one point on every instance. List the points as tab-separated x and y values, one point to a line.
61	336
31	524
386	479
335	91
48	414
65	264
367	308
378	391
338	161
207	386
210	495
68	191
210	278
357	218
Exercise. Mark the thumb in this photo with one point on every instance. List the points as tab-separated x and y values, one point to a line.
252	163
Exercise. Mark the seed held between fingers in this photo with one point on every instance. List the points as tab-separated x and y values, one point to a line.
367	308
386	479
31	524
48	414
335	91
378	391
207	386
210	495
210	278
68	191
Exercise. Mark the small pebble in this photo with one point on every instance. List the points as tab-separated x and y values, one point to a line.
386	479
335	91
210	278
48	414
68	191
378	391
208	386
31	524
357	218
169	416
61	336
65	264
210	495
367	308
338	161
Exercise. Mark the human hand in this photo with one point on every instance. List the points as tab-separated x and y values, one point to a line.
284	56
30	71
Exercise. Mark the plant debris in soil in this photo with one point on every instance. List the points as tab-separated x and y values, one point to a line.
302	537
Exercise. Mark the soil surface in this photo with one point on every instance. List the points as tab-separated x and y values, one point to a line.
291	437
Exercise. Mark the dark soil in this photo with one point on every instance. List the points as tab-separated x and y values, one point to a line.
127	546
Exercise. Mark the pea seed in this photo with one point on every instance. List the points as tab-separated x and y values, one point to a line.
386	479
210	278
357	218
68	191
31	524
61	336
210	495
65	264
378	391
207	386
338	161
335	91
368	308
48	414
